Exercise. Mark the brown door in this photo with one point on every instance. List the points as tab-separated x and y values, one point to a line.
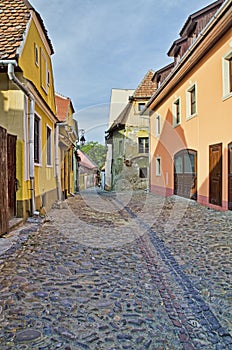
230	176
185	174
3	183
11	168
215	174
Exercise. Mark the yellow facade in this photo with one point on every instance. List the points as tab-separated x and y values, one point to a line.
38	69
67	144
34	71
205	72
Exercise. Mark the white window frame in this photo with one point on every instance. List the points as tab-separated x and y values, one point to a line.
36	51
176	102
226	75
48	77
190	115
157	125
158	166
48	145
44	71
39	163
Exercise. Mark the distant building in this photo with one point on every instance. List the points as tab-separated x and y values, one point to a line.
128	137
87	172
118	100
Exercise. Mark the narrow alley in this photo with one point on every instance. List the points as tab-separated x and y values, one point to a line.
113	271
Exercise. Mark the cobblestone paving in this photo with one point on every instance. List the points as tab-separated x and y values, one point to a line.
120	271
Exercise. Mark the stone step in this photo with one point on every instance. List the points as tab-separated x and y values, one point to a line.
15	223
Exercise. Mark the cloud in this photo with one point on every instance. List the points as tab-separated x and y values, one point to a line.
94	120
105	44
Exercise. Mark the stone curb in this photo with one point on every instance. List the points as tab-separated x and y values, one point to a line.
12	241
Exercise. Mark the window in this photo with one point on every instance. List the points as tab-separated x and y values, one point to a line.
158	81
141	106
120	147
49	146
191	101
227	75
158	166
44	71
48	78
37	137
158	129
178	164
176	112
143	173
193	38
185	162
36	55
143	145
189	163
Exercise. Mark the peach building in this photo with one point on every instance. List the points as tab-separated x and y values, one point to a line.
191	112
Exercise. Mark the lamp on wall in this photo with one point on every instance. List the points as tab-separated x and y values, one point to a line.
81	140
82	137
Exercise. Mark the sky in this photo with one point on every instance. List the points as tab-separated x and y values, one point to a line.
105	44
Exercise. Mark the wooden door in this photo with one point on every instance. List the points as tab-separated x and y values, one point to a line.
215	174
185	174
11	168
230	176
3	183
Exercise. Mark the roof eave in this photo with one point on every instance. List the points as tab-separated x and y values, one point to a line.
197	49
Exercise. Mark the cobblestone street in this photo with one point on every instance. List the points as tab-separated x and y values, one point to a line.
119	271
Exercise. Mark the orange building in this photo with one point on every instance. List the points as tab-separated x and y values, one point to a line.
191	112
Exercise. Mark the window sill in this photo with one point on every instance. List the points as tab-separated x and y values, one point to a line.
44	89
225	97
38	164
188	117
175	125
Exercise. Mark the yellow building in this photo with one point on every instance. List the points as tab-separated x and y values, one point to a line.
68	135
190	112
27	110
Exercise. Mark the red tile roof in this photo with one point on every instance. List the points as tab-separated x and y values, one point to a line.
147	87
86	162
62	107
144	90
14	17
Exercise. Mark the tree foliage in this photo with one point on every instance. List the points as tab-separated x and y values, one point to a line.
96	152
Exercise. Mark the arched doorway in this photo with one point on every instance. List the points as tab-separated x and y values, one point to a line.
185	174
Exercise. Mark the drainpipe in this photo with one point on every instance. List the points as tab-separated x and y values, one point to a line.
11	74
